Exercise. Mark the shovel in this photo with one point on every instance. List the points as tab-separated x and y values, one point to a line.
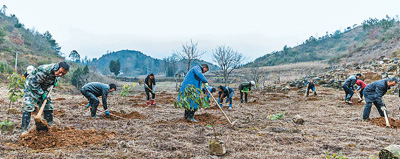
232	123
42	124
358	97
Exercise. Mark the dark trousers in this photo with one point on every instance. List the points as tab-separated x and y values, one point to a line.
312	88
189	113
367	109
361	93
94	102
153	95
349	92
241	96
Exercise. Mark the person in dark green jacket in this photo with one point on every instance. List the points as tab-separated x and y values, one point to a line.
245	88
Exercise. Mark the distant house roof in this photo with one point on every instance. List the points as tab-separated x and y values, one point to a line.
180	72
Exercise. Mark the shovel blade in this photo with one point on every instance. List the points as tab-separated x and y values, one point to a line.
41	125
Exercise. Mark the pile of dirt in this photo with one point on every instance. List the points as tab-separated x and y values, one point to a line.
355	101
382	123
132	115
312	99
65	137
205	118
59	99
60	112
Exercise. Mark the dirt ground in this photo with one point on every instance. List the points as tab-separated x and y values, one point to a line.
137	131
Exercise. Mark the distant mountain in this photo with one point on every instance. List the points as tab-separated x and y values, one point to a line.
353	45
135	63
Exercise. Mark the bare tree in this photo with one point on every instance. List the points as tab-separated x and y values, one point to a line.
256	74
227	59
189	52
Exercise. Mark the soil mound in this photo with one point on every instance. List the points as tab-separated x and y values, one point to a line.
355	101
132	115
204	119
382	123
59	99
68	136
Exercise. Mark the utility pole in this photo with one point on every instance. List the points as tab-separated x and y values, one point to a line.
16	61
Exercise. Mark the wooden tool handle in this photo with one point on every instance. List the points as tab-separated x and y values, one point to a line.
220	108
39	114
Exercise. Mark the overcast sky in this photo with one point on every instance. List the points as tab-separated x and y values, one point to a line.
159	27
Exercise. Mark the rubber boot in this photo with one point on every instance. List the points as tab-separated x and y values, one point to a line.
26	120
191	116
186	114
93	111
153	102
148	103
48	116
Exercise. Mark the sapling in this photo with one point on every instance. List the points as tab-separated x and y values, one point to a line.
191	94
16	83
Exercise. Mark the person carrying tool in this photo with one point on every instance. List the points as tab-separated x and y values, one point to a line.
360	89
310	85
211	89
223	92
194	77
150	87
373	94
245	88
96	89
348	86
36	88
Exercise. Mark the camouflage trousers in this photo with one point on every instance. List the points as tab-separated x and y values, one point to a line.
30	102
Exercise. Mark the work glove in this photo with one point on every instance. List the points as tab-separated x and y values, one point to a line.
44	96
383	108
251	92
153	91
55	84
355	91
87	106
146	86
241	90
206	98
107	112
206	84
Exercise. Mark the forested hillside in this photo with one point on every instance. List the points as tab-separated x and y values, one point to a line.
135	63
33	48
338	45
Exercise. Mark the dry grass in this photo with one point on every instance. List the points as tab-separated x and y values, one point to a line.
330	125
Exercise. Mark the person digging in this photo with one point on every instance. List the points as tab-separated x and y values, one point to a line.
360	89
150	87
211	90
96	89
348	87
194	77
227	92
245	88
311	85
36	88
374	92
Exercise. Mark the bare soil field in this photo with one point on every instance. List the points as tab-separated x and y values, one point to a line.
138	131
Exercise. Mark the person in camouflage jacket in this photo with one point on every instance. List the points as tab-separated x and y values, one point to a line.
36	89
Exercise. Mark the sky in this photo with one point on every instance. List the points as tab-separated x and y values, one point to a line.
160	27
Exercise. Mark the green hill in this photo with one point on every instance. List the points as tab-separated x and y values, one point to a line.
333	48
33	48
135	63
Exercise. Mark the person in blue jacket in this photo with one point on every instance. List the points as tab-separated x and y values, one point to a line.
348	86
194	77
207	93
227	92
310	85
373	94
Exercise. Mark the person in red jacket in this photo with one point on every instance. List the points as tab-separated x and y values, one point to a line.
360	88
